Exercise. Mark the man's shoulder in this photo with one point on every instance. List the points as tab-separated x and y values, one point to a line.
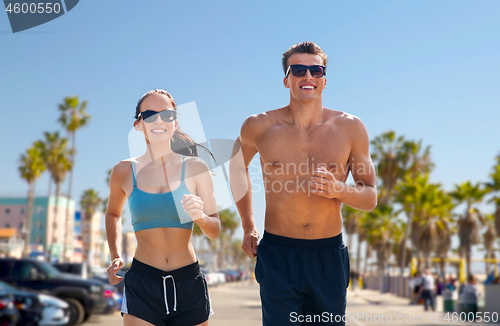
258	123
343	118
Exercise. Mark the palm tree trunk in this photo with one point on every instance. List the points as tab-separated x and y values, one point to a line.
365	268
467	258
442	265
487	263
27	227
349	241
46	244
56	213
407	235
67	227
358	255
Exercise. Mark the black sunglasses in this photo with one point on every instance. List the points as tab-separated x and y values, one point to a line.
300	70
150	115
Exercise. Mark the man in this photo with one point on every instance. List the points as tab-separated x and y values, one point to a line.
428	287
306	153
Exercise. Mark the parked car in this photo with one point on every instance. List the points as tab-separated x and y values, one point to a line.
55	311
232	275
83	296
84	271
80	269
214	278
9	315
27	303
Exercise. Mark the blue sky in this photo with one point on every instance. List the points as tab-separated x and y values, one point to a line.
426	69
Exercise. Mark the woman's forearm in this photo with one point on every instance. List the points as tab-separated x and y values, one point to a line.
210	225
113	234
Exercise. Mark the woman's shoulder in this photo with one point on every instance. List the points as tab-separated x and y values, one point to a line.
122	168
196	164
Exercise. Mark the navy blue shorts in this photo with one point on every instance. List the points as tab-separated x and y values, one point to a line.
178	297
302	281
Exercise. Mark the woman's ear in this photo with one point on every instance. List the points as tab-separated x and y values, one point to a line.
137	125
176	126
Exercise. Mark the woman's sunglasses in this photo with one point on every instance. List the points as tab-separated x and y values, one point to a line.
166	115
300	70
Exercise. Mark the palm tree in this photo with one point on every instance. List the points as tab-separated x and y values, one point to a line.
427	207
406	195
414	159
56	155
489	239
380	226
31	168
386	148
493	186
89	202
73	117
468	228
434	217
229	223
352	219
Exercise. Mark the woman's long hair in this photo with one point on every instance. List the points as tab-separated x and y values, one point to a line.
180	143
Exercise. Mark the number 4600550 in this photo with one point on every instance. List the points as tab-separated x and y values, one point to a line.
33	8
478	317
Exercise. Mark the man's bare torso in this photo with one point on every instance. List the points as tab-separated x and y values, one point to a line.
288	156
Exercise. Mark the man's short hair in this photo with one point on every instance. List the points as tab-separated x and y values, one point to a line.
304	47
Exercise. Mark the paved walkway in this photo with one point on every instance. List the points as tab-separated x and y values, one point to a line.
238	304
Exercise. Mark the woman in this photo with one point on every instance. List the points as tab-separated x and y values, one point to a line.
168	188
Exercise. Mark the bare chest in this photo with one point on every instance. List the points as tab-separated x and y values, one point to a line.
286	152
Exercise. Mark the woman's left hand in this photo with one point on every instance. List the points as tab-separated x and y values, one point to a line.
193	205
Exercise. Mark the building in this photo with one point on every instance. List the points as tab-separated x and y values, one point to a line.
48	223
11	244
77	242
128	246
91	239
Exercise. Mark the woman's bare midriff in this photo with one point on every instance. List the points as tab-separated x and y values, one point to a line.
165	248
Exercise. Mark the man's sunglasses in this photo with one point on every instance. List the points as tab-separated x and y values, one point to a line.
166	115
300	70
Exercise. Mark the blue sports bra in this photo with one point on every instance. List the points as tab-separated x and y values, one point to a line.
163	210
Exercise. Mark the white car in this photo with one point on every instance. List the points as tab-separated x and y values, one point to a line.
55	311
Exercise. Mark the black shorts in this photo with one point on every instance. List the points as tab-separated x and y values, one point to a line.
178	297
302	281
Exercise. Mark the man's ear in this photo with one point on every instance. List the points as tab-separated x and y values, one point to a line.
137	125
285	82
324	84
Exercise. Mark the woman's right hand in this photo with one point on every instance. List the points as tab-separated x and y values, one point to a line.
115	266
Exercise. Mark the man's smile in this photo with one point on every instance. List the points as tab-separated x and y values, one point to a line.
307	86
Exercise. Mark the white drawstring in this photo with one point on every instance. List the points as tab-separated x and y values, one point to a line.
165	292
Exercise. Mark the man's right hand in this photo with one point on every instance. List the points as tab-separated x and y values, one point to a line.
250	239
115	266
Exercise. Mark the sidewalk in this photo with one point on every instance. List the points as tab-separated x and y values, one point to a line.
362	303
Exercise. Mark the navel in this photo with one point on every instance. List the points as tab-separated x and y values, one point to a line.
306	225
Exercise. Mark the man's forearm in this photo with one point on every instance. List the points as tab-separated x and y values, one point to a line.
244	206
359	196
